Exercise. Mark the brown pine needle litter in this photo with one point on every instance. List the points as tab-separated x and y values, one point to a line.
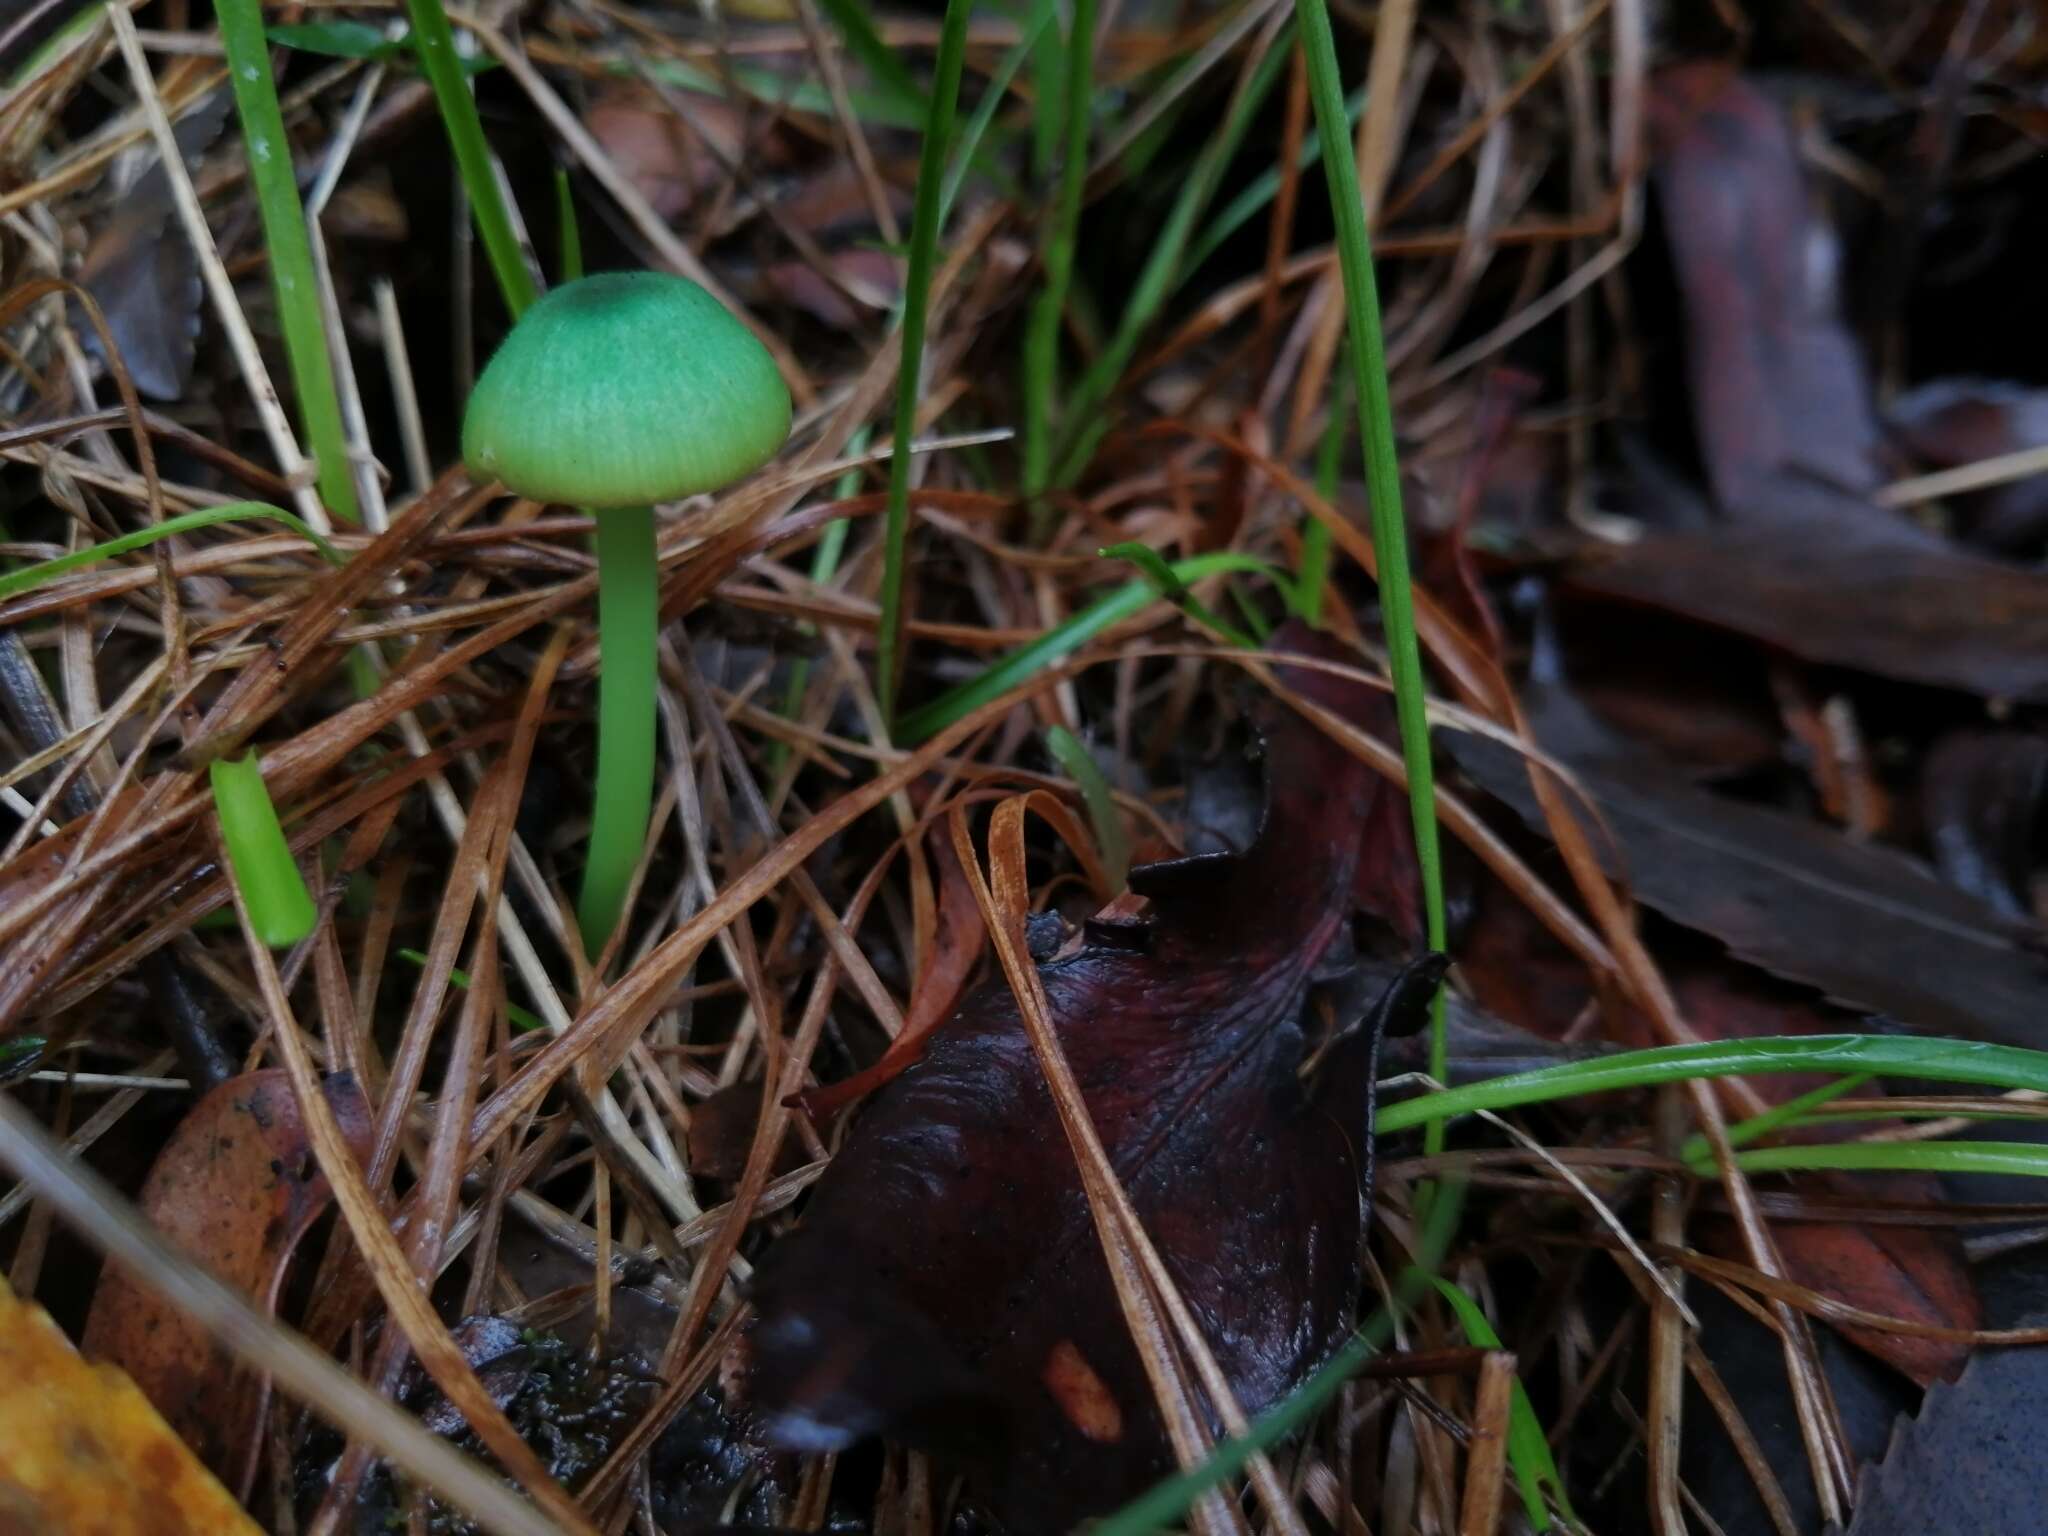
529	1308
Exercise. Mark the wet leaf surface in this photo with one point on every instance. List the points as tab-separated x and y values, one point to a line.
84	1451
236	1187
946	1288
1970	1459
1830	586
1864	925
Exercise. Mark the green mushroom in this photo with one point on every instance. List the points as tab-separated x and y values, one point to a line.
612	393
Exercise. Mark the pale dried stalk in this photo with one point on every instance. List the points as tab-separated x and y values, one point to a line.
296	467
1486	1463
1663	1432
409	1306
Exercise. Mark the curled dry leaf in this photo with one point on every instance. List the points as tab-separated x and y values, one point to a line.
236	1187
84	1450
946	1286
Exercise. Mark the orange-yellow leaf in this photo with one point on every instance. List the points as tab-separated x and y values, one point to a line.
85	1453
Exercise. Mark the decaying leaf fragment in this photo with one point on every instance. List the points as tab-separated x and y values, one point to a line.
946	1287
236	1187
84	1452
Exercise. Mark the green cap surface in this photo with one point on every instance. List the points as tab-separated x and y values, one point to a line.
622	389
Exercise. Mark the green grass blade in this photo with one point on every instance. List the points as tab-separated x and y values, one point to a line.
1063	640
1314	572
2021	1157
435	42
291	254
29	577
967	154
1086	773
866	45
1778	1117
1048	309
522	1018
336	39
261	861
1153	567
917	284
572	237
1949	1061
824	565
1085	422
1383	481
1528	1451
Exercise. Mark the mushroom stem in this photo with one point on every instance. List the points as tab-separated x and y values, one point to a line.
628	615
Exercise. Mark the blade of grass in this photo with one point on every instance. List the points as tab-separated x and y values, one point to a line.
917	283
1313	574
1082	768
865	44
1063	640
29	577
435	42
291	255
522	1018
572	237
1083	421
1954	1061
258	856
1049	307
1528	1452
967	154
1169	586
1241	209
824	565
2021	1157
1383	481
1777	1117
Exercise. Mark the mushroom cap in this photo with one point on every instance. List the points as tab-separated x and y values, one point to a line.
623	389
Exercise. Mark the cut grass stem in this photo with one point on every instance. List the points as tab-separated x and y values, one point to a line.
259	858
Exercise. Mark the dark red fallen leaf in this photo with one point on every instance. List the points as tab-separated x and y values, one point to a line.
236	1187
946	1287
1982	798
1865	925
1779	392
722	1132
